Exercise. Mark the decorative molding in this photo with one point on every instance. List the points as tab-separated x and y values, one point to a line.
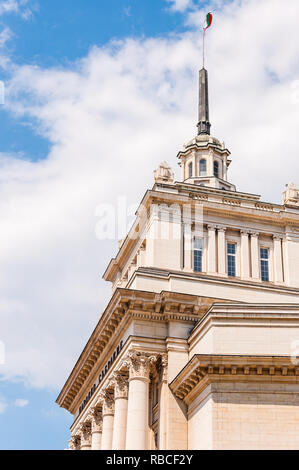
204	369
137	304
108	402
75	442
121	384
139	364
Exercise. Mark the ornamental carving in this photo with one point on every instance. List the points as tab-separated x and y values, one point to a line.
139	364
108	402
96	420
120	382
85	431
75	443
161	366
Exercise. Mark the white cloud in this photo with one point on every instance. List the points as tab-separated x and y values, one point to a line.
21	403
111	119
5	35
21	7
3	405
180	5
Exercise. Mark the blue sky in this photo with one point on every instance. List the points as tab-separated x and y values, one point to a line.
98	93
57	34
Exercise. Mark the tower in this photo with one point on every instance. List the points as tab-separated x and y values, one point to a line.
204	160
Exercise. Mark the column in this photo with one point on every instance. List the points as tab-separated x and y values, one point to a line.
121	411
221	251
211	249
162	367
244	254
85	431
278	268
255	256
96	429
75	443
108	418
137	422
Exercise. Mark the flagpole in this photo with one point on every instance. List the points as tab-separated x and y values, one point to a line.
203	48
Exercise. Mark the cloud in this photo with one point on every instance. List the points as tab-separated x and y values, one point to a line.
21	7
180	5
21	403
3	405
111	118
5	35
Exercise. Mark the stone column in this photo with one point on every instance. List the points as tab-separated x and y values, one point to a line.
244	255
121	411
96	429
137	423
278	268
211	249
75	443
255	256
221	251
162	367
108	418
85	431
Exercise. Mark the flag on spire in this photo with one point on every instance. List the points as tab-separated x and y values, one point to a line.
209	19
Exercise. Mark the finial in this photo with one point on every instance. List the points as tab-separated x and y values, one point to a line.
204	125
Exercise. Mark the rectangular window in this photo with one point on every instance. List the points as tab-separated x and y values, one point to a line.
231	259
197	254
264	257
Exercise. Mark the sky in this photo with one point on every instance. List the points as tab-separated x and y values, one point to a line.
96	95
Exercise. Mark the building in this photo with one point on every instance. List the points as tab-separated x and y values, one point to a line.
197	346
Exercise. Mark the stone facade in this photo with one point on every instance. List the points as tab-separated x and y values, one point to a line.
198	346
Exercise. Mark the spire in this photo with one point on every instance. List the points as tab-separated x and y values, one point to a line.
203	125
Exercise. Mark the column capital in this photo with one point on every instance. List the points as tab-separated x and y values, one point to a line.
220	228
139	364
96	418
244	231
108	402
162	367
212	226
85	429
75	442
254	234
121	384
85	433
277	237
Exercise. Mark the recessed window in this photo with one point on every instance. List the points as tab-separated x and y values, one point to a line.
190	169
203	167
264	259
231	259
216	169
197	254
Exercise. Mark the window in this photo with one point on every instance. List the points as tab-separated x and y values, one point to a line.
197	254
216	169
231	259
190	170
203	167
264	256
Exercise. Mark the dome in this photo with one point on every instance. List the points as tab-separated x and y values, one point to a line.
203	140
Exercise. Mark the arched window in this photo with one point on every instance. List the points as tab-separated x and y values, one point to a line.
190	170
216	169
203	167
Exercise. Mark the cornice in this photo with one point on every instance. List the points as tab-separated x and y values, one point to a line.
232	314
124	304
203	369
167	274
